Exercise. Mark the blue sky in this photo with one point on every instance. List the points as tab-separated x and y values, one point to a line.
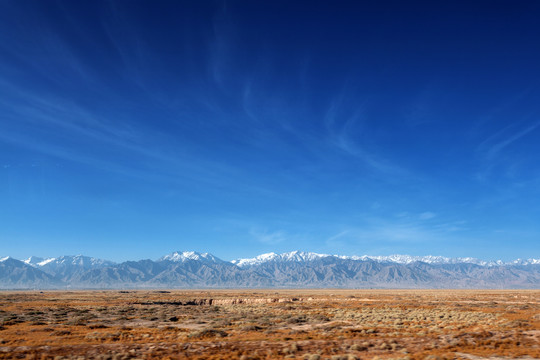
131	129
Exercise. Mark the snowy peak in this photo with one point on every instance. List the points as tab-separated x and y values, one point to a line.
293	256
77	260
46	261
37	261
302	256
183	256
12	262
81	261
33	260
256	260
525	262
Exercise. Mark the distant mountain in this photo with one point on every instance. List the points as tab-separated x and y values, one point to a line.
64	268
129	274
296	269
15	274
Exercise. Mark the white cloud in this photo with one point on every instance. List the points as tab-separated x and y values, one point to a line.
271	238
427	215
501	140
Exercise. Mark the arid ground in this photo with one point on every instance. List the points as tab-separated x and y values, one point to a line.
270	324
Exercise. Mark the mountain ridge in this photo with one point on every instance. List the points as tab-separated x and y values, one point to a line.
191	269
296	255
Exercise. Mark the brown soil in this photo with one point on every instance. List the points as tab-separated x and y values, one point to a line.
270	324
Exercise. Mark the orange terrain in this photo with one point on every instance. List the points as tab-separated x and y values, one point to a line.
271	324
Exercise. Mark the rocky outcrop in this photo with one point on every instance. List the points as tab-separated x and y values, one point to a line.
225	301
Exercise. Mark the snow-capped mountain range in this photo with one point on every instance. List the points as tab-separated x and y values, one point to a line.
301	256
186	269
292	256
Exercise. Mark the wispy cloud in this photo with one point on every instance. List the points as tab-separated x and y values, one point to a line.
346	128
338	240
421	109
495	144
66	130
426	215
269	237
493	151
221	47
408	230
339	235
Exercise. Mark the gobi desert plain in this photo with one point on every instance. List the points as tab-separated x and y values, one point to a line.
270	324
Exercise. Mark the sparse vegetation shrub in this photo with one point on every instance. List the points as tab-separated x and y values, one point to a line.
321	317
252	328
340	357
60	333
358	347
37	323
208	333
101	336
97	326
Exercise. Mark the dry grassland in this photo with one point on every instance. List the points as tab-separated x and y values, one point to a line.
270	324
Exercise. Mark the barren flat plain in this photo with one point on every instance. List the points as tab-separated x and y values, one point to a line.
271	324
